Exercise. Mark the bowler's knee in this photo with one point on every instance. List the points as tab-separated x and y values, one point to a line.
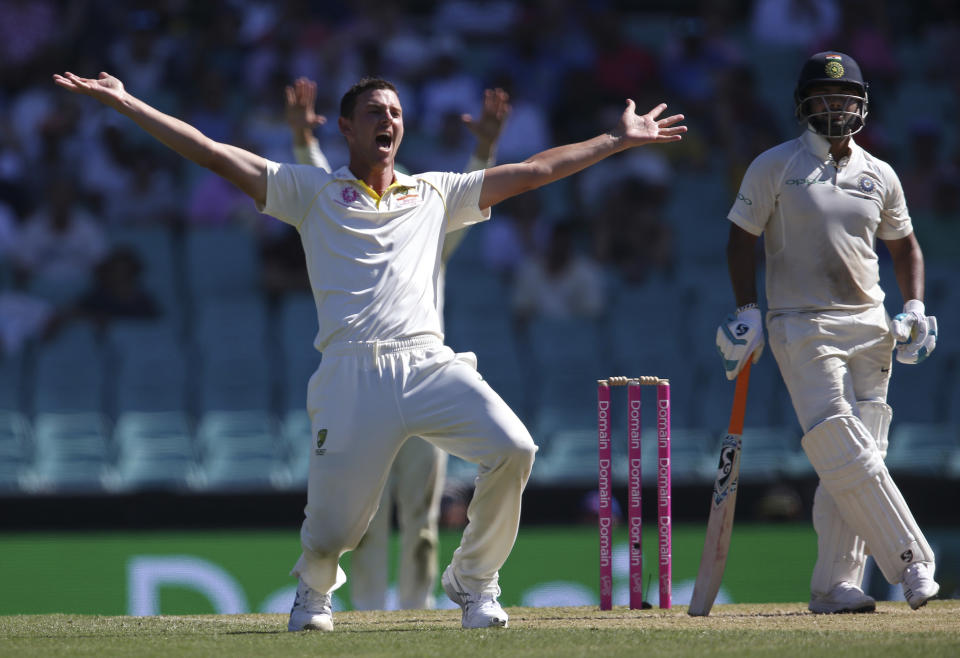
520	454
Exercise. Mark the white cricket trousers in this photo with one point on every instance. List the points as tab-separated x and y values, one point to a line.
831	361
365	400
832	364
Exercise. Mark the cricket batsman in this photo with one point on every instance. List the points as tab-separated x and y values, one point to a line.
821	201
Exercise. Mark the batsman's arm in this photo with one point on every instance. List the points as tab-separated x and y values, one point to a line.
742	264
505	181
908	266
246	170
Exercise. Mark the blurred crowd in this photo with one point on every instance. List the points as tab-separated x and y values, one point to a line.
71	172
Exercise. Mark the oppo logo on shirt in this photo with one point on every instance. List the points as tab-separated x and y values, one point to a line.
806	181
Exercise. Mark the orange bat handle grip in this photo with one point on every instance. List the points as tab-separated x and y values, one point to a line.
740	399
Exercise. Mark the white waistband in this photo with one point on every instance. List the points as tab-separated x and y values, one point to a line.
375	348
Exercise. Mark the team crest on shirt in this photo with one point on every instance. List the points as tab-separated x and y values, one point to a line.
866	185
407	196
349	195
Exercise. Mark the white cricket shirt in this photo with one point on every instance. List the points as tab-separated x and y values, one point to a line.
820	223
373	261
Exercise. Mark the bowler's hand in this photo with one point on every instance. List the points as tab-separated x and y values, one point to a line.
106	89
638	129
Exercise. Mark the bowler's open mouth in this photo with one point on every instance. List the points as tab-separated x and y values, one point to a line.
384	140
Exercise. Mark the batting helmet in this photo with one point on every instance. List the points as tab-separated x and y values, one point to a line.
839	115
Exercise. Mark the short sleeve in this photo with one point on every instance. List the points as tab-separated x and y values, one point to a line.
895	222
461	193
756	198
292	190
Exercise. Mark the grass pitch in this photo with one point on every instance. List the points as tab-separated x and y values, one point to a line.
783	630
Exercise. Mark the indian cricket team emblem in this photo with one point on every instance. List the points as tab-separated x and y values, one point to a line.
866	184
321	439
349	195
834	67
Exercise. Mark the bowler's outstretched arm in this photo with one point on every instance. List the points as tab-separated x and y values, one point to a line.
246	170
634	129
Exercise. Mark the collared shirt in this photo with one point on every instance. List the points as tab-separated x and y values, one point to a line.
373	260
820	221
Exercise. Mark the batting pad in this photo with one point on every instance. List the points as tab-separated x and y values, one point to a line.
876	415
840	551
846	458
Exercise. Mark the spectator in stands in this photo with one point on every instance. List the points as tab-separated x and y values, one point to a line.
283	268
926	137
28	28
630	232
23	317
117	290
61	242
559	283
745	123
797	24
9	234
939	225
522	230
150	195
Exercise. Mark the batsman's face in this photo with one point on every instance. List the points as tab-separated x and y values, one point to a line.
375	129
836	99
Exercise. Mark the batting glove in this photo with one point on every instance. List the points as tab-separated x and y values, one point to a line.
738	336
915	332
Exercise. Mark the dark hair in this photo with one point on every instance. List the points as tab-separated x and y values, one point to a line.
349	100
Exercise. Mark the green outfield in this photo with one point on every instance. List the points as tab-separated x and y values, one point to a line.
239	572
740	630
210	572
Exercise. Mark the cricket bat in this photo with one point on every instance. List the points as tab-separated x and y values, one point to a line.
716	545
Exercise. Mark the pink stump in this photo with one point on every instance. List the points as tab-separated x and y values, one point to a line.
605	505
664	514
634	518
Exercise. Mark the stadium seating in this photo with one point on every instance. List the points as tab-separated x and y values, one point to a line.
298	357
230	359
70	372
154	451
220	262
162	270
241	450
297	438
770	453
922	448
149	366
72	454
16	447
12	384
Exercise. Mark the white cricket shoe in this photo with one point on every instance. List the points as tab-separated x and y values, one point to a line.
480	609
311	611
844	597
918	584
